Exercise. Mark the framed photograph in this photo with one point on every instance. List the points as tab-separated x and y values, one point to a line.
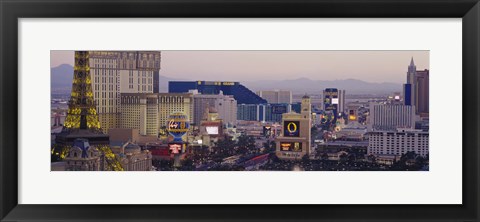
227	110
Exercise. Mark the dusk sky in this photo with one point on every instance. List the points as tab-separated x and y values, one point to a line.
370	66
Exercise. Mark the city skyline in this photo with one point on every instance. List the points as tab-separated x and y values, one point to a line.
369	66
116	118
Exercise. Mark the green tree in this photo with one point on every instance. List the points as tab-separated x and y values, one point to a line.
269	146
187	165
420	161
163	131
246	144
225	147
343	157
324	156
314	132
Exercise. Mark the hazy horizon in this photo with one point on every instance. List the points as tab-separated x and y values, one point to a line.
369	66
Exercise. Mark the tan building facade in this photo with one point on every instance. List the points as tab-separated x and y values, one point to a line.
149	112
174	103
139	111
116	72
295	140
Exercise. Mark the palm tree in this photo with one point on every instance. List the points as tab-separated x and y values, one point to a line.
343	157
324	156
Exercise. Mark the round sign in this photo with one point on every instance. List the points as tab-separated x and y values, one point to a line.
292	127
177	125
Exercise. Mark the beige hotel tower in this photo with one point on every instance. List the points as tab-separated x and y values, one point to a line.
149	112
116	72
295	139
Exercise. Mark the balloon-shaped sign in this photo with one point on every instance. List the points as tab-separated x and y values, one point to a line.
177	125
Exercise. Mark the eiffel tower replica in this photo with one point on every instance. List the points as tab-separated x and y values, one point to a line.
82	118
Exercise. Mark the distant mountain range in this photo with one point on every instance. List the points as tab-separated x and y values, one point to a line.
61	82
305	85
61	78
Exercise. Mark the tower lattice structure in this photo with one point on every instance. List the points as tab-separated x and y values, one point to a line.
82	113
82	118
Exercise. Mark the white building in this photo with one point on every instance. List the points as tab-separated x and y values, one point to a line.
225	105
398	142
115	72
391	117
276	96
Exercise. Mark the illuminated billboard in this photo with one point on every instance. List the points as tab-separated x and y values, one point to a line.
352	115
330	99
291	128
212	130
175	148
291	146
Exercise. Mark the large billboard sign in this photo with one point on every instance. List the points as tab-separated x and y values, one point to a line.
330	99
291	128
291	146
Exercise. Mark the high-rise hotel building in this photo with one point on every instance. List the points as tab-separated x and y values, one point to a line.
225	105
334	99
416	90
139	111
149	112
174	103
398	142
276	96
391	116
116	72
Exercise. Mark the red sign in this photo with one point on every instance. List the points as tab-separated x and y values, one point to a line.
175	148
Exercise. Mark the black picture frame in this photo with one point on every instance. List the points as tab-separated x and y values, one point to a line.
11	11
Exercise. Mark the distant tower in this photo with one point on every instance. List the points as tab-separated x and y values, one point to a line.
412	70
82	112
295	141
409	89
306	104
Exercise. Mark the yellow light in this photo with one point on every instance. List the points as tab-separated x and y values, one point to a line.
289	128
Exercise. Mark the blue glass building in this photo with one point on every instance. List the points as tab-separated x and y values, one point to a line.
241	93
262	112
297	107
407	94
